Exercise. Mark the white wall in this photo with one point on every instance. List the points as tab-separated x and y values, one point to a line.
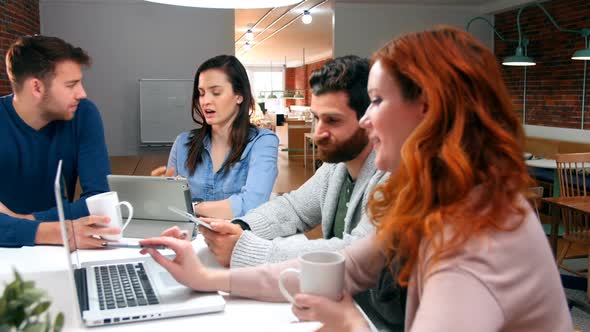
129	40
562	134
361	29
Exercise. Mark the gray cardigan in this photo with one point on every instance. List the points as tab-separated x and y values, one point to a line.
315	202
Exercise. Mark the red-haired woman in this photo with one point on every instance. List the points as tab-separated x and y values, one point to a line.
453	212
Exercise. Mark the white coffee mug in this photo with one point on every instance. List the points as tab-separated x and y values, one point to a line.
321	273
107	204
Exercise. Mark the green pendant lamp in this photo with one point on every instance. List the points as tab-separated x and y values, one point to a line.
518	59
298	95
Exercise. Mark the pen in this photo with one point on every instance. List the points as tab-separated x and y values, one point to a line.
131	245
153	246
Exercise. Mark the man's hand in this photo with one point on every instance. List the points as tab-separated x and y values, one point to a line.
83	233
4	209
161	171
222	239
336	316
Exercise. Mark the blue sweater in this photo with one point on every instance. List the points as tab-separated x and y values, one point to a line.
28	162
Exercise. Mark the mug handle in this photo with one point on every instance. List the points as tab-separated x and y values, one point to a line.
130	208
282	288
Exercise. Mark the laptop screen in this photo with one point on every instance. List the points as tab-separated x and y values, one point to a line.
60	197
63	209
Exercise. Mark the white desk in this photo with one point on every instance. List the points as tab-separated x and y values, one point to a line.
48	267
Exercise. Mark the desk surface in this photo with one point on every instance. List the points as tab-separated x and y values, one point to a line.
579	203
47	266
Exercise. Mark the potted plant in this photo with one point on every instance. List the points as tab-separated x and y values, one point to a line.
24	308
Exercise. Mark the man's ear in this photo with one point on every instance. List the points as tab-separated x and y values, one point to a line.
36	87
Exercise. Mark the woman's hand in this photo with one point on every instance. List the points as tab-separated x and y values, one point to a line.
335	316
186	267
162	171
176	233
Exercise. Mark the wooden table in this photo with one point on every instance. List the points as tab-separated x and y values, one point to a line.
296	129
578	203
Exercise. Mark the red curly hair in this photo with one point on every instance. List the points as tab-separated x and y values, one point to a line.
470	138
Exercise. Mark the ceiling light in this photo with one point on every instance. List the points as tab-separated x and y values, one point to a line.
249	35
298	95
306	18
288	94
582	54
247	46
228	3
518	59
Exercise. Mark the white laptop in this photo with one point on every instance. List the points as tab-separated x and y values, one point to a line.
151	196
128	290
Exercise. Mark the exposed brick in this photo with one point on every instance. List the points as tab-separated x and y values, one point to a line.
554	85
17	18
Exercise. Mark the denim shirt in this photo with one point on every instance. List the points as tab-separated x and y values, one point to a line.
247	184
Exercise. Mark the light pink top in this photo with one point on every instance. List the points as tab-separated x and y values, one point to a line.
500	281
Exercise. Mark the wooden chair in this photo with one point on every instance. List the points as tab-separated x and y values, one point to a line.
572	169
535	199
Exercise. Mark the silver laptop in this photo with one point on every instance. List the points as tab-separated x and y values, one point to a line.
127	290
151	196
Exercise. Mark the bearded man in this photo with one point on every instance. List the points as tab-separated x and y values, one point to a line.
335	196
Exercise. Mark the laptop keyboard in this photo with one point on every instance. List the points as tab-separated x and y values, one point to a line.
123	285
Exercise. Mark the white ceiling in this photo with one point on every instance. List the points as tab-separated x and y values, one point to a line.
292	38
316	37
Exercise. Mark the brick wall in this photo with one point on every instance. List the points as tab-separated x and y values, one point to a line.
554	85
17	18
298	78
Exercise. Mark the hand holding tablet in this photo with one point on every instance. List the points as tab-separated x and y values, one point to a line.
190	217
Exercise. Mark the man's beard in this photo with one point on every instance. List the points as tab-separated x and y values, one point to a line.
344	151
50	111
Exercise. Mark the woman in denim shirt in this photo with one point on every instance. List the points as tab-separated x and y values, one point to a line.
231	165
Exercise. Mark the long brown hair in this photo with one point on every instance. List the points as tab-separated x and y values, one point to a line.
462	167
241	126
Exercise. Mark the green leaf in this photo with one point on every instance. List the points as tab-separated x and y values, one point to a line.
31	296
2	309
35	327
28	285
4	327
16	317
41	308
17	276
12	290
59	322
48	320
25	308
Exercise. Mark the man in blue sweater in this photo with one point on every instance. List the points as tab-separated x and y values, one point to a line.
48	118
